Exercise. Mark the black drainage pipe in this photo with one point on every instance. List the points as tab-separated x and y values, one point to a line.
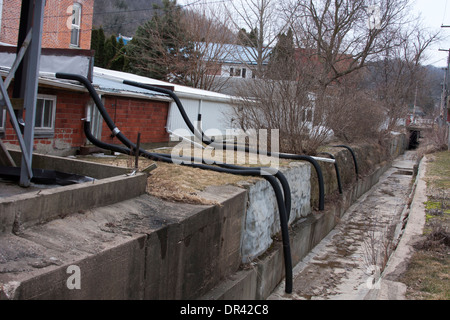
336	168
208	141
243	171
253	172
354	158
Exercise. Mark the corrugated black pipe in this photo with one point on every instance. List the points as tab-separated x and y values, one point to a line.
354	158
336	168
272	180
279	175
208	141
244	171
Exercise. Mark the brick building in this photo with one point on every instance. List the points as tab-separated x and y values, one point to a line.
61	105
67	23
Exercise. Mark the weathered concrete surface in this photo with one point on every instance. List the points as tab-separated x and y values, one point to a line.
262	220
147	248
346	263
414	216
135	249
28	209
259	278
67	165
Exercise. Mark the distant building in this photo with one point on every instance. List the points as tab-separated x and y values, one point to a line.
232	60
124	39
62	105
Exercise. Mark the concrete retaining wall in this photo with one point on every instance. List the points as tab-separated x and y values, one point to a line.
25	210
262	217
38	207
306	232
259	281
145	248
67	165
142	248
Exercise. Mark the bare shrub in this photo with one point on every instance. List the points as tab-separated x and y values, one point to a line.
284	105
437	240
351	112
439	138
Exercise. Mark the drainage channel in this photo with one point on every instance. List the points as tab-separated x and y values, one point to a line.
347	263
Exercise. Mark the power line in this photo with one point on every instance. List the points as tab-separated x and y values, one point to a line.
116	24
68	15
445	11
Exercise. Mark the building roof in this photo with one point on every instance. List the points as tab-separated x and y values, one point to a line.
232	53
225	53
182	91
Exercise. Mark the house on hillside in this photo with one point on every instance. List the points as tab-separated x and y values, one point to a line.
233	60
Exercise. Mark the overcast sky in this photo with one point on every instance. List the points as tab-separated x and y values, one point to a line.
436	13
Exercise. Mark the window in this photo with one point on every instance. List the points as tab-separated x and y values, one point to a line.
237	72
244	73
2	119
45	114
76	23
96	119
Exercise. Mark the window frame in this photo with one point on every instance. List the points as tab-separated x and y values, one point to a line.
2	119
46	131
75	28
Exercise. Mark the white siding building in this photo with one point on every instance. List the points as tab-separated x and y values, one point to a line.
215	108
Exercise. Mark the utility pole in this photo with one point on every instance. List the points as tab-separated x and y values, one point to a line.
446	114
415	104
444	99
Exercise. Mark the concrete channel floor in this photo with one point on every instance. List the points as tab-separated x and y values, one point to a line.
347	264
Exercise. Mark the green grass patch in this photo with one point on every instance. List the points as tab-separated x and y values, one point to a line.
438	171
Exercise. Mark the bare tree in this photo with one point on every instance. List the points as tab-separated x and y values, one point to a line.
262	18
335	43
351	110
179	45
400	79
284	104
345	34
210	39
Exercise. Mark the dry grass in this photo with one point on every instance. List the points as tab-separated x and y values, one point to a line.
182	183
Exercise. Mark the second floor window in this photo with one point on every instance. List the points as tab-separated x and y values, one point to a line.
76	24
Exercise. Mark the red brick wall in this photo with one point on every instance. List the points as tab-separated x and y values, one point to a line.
56	33
133	116
130	115
68	133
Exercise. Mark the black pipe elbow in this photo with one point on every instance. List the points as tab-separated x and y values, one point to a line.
281	201
336	169
354	158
